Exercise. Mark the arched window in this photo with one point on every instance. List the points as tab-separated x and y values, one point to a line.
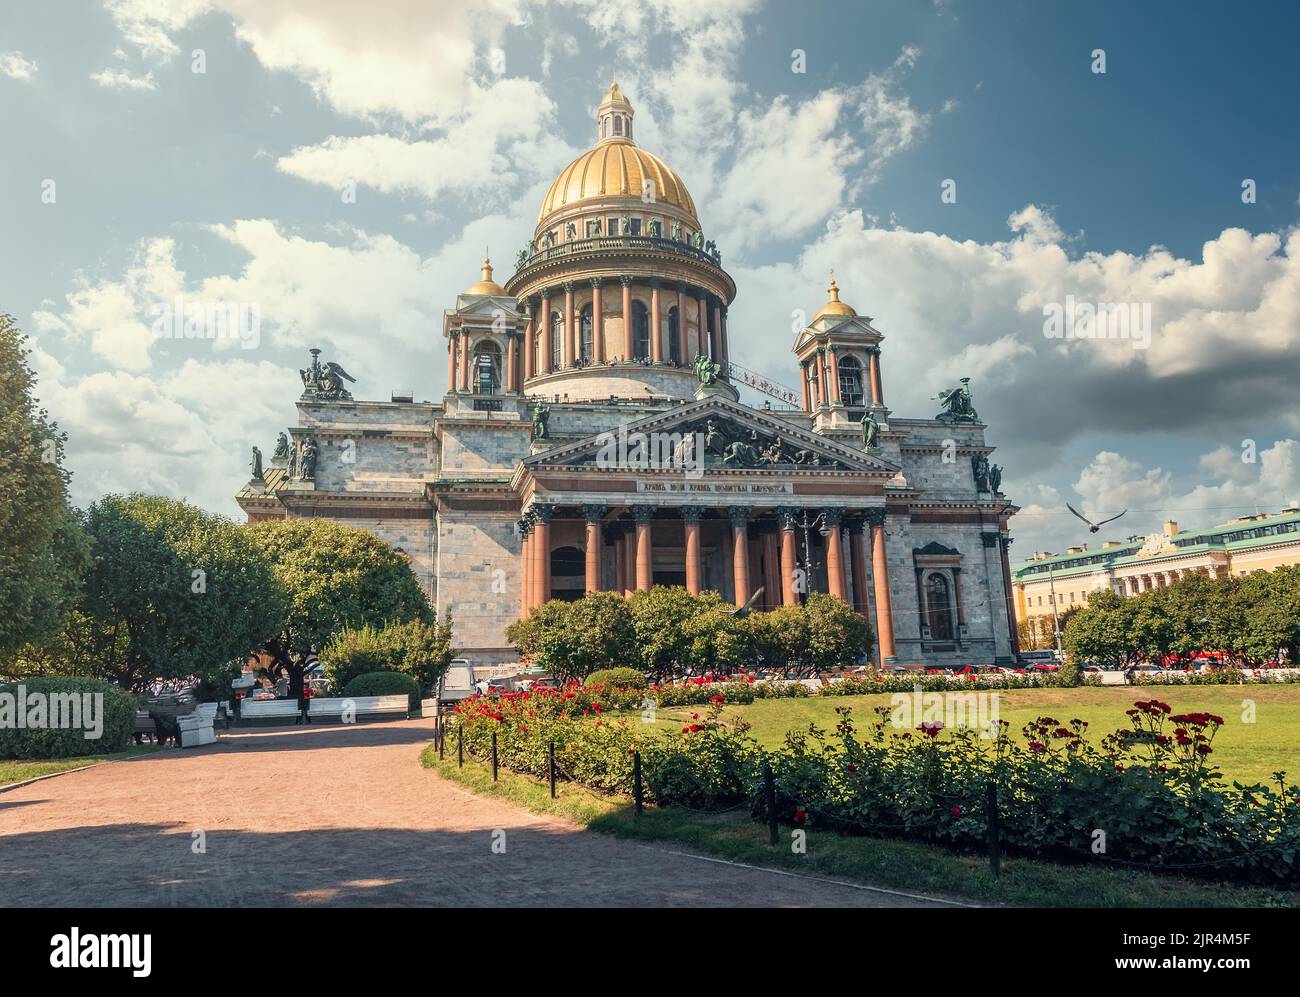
486	372
850	381
557	339
585	334
938	607
640	330
674	337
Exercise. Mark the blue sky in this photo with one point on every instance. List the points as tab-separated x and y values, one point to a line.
453	118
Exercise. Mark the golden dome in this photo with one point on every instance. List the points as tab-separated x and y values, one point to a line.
486	285
834	307
616	167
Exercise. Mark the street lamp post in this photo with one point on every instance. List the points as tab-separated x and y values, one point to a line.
807	524
1056	621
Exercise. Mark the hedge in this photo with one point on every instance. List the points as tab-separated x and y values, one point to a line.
117	718
1151	788
624	678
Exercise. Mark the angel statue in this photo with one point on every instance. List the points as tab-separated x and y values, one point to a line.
956	404
325	382
706	370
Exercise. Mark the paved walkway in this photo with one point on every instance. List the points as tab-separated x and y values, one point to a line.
338	815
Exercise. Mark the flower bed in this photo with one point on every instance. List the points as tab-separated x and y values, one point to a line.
1147	794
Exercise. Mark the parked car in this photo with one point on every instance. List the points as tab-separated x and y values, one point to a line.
457	681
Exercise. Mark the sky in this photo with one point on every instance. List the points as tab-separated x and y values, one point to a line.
967	169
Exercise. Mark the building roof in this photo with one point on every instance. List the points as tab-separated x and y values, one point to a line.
1243	533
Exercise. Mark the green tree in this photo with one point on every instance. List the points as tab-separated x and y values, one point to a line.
417	648
837	636
573	639
173	592
335	577
662	616
781	636
1269	603
720	641
44	552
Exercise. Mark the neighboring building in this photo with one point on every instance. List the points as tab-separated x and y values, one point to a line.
512	490
1139	564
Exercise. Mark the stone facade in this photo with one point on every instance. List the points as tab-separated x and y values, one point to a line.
505	494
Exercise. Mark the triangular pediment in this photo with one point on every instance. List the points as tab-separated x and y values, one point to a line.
734	437
485	307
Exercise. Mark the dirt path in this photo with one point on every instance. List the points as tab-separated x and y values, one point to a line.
338	815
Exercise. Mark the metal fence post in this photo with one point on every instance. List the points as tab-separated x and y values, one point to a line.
636	783
994	825
769	789
550	766
442	742
494	756
460	746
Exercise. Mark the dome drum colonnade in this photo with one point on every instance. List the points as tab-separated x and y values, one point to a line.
618	272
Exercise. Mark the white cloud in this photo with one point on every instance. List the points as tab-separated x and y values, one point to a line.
16	66
890	121
120	79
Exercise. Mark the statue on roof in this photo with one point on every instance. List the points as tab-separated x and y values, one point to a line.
979	465
255	464
281	447
541	416
957	404
870	431
310	452
995	479
706	371
325	382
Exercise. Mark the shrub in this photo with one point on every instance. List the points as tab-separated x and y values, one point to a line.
117	718
617	678
573	639
384	684
416	648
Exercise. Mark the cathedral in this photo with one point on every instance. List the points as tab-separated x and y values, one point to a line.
592	438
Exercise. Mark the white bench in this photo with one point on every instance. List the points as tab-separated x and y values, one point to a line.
327	708
196	729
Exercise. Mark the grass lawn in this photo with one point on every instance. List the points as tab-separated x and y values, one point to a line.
901	865
1247	752
20	769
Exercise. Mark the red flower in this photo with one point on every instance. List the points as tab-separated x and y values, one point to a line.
696	728
956	811
1037	747
851	768
799	815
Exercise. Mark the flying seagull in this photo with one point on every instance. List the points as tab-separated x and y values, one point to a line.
1092	527
743	611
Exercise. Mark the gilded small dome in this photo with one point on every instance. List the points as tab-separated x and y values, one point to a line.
616	167
486	285
834	307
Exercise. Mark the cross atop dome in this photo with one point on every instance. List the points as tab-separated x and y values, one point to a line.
834	306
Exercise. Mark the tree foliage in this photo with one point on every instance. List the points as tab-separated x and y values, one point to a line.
417	648
172	592
1255	618
44	552
573	639
334	578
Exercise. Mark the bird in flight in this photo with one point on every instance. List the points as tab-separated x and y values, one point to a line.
1092	527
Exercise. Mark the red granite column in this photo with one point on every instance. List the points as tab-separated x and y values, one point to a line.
656	343
464	363
530	345
525	569
597	322
832	371
834	555
542	554
873	363
569	353
880	579
789	596
595	516
620	581
629	344
726	349
807	393
771	571
451	362
544	361
705	348
740	552
858	556
691	517
511	366
1006	585
644	547
716	339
